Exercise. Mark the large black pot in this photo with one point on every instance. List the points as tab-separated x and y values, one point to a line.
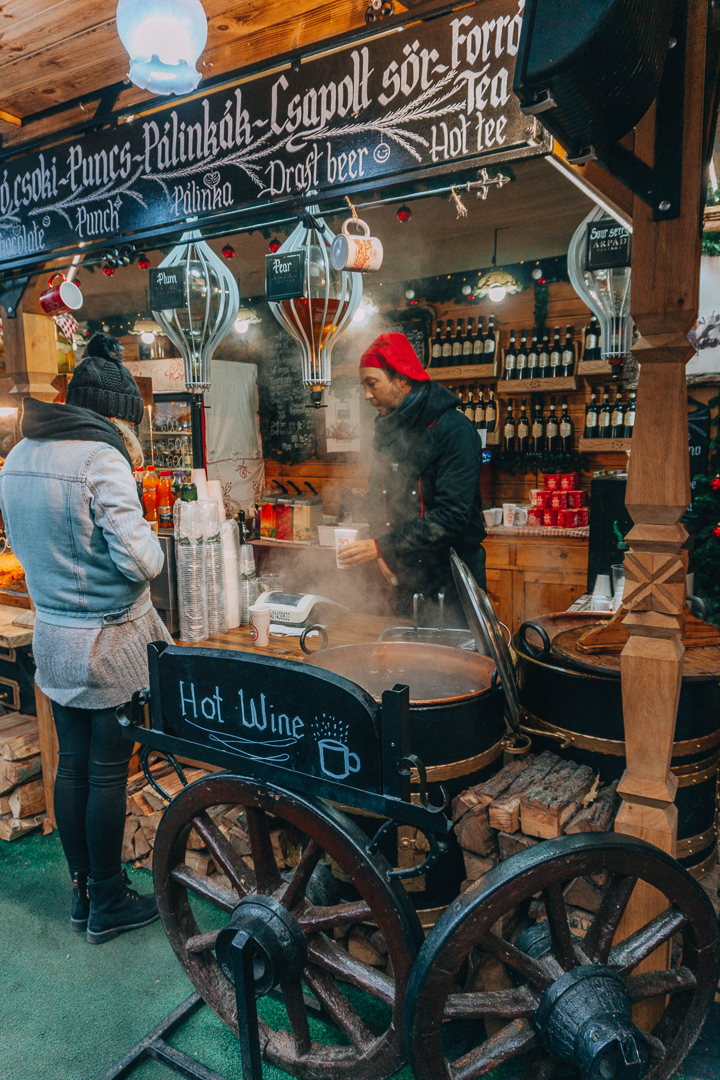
457	729
575	703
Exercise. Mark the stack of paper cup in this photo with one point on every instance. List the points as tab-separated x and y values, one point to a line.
190	563
343	539
215	492
248	581
230	537
199	479
602	593
214	579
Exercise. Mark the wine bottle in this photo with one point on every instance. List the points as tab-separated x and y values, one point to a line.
489	342
591	350
523	429
566	429
467	343
552	430
470	406
478	342
446	347
544	357
538	431
605	416
568	353
479	417
521	358
591	418
437	345
491	413
509	431
510	358
556	354
533	358
617	421
457	344
630	416
459	394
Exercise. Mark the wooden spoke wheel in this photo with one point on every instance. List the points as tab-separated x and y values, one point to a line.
568	999
363	1003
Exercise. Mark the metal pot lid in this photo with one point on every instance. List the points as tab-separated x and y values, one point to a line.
486	630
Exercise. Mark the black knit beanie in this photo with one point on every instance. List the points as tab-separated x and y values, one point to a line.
103	383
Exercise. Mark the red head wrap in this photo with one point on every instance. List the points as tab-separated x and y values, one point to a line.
394	351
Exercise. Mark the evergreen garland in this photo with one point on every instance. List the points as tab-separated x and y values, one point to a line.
706	500
546	462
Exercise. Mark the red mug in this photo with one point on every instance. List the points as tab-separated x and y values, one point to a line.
65	296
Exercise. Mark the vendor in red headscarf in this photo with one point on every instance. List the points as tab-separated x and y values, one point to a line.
425	489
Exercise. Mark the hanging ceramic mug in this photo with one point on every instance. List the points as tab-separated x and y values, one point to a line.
64	296
359	253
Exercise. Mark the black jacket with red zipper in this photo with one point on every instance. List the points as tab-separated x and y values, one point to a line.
425	492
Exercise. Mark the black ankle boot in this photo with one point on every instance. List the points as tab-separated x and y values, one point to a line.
115	908
80	902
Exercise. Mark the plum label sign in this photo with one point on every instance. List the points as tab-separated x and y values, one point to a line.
390	105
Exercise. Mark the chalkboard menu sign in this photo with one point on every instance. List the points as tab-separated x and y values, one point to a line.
287	423
285	275
698	447
167	288
608	245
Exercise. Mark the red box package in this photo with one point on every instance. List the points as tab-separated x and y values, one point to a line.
550	517
559	500
552	482
535	517
582	516
569	481
567	519
576	499
542	499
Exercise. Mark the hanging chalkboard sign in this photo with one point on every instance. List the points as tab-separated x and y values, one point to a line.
698	447
287	424
167	288
608	245
285	275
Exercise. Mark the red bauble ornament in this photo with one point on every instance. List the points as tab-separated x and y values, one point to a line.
143	262
716	532
715	484
228	252
109	271
404	213
542	281
274	245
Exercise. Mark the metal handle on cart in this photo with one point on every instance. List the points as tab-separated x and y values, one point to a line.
145	765
136	706
309	630
535	653
437	848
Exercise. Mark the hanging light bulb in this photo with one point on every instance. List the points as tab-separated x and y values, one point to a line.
497	283
330	299
164	40
245	318
210	309
606	292
366	309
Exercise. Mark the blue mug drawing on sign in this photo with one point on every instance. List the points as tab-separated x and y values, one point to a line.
336	761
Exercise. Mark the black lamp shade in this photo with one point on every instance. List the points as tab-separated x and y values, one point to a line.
591	68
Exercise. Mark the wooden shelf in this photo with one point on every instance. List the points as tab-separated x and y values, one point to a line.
607	446
522	387
466	372
595	367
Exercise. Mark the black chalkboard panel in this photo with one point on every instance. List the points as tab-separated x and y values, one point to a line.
287	422
267	711
285	275
608	245
167	288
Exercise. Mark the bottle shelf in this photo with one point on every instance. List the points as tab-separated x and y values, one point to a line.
601	368
466	372
521	387
607	446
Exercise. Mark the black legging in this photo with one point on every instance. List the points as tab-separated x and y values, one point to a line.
90	788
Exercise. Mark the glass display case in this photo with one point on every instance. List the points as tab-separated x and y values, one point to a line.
172	432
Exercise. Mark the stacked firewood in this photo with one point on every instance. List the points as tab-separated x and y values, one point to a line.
22	795
534	798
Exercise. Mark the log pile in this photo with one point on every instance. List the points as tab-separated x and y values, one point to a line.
534	798
22	796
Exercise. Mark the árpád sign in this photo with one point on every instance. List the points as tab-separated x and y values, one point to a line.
427	95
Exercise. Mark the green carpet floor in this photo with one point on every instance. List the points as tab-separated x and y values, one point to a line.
68	1010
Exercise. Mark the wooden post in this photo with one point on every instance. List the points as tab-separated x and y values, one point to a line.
48	750
665	279
31	359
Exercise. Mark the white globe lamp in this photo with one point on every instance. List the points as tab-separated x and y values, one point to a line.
164	40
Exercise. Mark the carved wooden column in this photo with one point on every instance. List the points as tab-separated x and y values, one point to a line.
31	359
665	277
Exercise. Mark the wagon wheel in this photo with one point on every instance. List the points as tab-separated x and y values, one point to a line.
569	1002
371	1030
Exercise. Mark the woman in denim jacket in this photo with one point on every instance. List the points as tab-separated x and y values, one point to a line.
73	518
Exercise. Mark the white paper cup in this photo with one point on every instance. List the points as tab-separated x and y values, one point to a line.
489	516
343	539
497	510
508	511
521	516
260	624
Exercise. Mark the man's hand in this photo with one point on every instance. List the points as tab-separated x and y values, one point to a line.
356	554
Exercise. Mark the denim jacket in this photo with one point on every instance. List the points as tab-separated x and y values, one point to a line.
73	519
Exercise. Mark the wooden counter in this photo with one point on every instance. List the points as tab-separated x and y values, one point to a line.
350	629
529	576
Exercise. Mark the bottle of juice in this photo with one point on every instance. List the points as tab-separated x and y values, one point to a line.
165	501
139	474
150	493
